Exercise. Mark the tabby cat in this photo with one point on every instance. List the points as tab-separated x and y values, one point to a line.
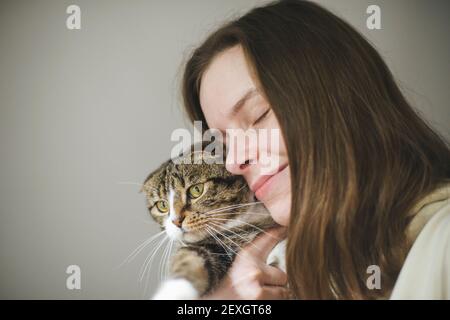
212	213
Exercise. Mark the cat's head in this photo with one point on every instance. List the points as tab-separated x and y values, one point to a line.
191	201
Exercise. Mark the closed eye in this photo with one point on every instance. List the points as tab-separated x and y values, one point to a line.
262	117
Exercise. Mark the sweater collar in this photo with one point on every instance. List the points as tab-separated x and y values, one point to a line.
424	209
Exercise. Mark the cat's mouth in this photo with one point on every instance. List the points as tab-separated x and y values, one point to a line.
192	236
196	233
188	233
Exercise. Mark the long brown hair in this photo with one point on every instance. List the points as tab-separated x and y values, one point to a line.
360	156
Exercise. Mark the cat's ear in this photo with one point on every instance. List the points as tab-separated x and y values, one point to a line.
145	181
142	189
153	173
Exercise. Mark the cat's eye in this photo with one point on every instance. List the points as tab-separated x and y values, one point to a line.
196	190
162	206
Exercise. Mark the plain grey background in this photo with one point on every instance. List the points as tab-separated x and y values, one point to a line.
87	113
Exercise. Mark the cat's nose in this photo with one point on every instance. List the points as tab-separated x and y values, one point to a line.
178	221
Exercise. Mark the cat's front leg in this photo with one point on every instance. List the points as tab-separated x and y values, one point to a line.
189	277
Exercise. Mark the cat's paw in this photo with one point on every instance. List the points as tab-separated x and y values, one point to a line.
176	289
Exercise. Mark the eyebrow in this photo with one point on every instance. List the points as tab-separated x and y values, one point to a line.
241	102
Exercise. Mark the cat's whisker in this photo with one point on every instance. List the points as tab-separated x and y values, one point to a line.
229	239
221	243
167	260
234	206
139	248
150	257
250	224
146	272
227	253
225	236
162	262
236	253
220	233
166	275
214	237
237	234
243	213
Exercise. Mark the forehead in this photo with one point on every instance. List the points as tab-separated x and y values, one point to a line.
224	82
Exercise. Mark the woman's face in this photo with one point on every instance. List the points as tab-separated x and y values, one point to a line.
226	82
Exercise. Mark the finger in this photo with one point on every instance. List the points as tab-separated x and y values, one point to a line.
275	293
273	276
262	245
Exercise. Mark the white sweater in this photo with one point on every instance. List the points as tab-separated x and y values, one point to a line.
426	271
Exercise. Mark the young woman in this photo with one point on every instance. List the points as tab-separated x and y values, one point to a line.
363	183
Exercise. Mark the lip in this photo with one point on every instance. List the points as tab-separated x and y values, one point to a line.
260	184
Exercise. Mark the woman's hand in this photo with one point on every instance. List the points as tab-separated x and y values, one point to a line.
249	277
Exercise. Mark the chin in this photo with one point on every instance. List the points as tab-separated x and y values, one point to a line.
280	212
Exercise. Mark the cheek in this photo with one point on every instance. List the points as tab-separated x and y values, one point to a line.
279	204
280	211
278	148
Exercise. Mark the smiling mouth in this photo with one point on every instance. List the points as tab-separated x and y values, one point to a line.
263	179
262	182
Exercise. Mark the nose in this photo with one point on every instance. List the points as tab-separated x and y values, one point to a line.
178	220
239	162
236	168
